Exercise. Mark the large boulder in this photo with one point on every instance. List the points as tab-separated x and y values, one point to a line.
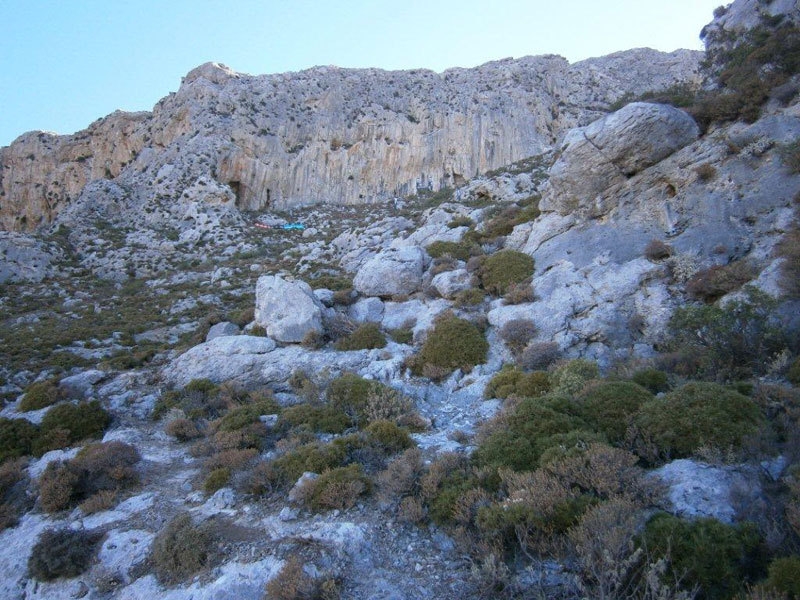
287	310
234	357
367	310
255	361
610	150
450	283
395	271
699	490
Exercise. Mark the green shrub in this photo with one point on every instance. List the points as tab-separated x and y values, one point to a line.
789	249
524	435
609	406
504	268
366	337
216	479
66	424
784	576
510	381
729	342
350	393
717	558
334	283
697	415
338	488
62	553
569	378
562	446
243	416
39	395
459	250
470	297
203	386
651	379
200	399
447	480
180	550
321	418
17	437
315	457
402	335
14	499
793	374
391	438
509	217
452	344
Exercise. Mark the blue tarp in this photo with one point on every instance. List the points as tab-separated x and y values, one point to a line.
293	226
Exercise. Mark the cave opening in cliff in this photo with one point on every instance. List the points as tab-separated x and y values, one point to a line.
236	188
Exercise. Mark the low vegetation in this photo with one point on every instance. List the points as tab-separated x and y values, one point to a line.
453	343
499	271
62	553
181	549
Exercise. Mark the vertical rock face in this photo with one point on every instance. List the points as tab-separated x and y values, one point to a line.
327	135
612	149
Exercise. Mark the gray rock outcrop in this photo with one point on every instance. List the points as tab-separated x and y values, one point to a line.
611	149
395	271
287	310
450	283
699	490
222	329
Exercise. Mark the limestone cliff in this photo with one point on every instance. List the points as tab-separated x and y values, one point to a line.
326	135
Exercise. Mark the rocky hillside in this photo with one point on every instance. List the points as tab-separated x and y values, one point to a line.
572	376
325	135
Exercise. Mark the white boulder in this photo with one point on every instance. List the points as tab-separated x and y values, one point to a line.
288	310
395	271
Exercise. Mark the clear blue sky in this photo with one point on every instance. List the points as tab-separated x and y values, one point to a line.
65	63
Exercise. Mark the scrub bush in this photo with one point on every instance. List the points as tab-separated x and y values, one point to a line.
320	418
17	437
62	553
366	337
716	558
504	268
97	468
452	344
523	435
694	416
539	355
726	343
570	377
459	250
651	379
712	283
180	550
516	333
39	395
391	438
338	488
66	424
513	382
784	576
609	406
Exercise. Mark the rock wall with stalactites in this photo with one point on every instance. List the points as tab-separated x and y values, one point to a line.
327	135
